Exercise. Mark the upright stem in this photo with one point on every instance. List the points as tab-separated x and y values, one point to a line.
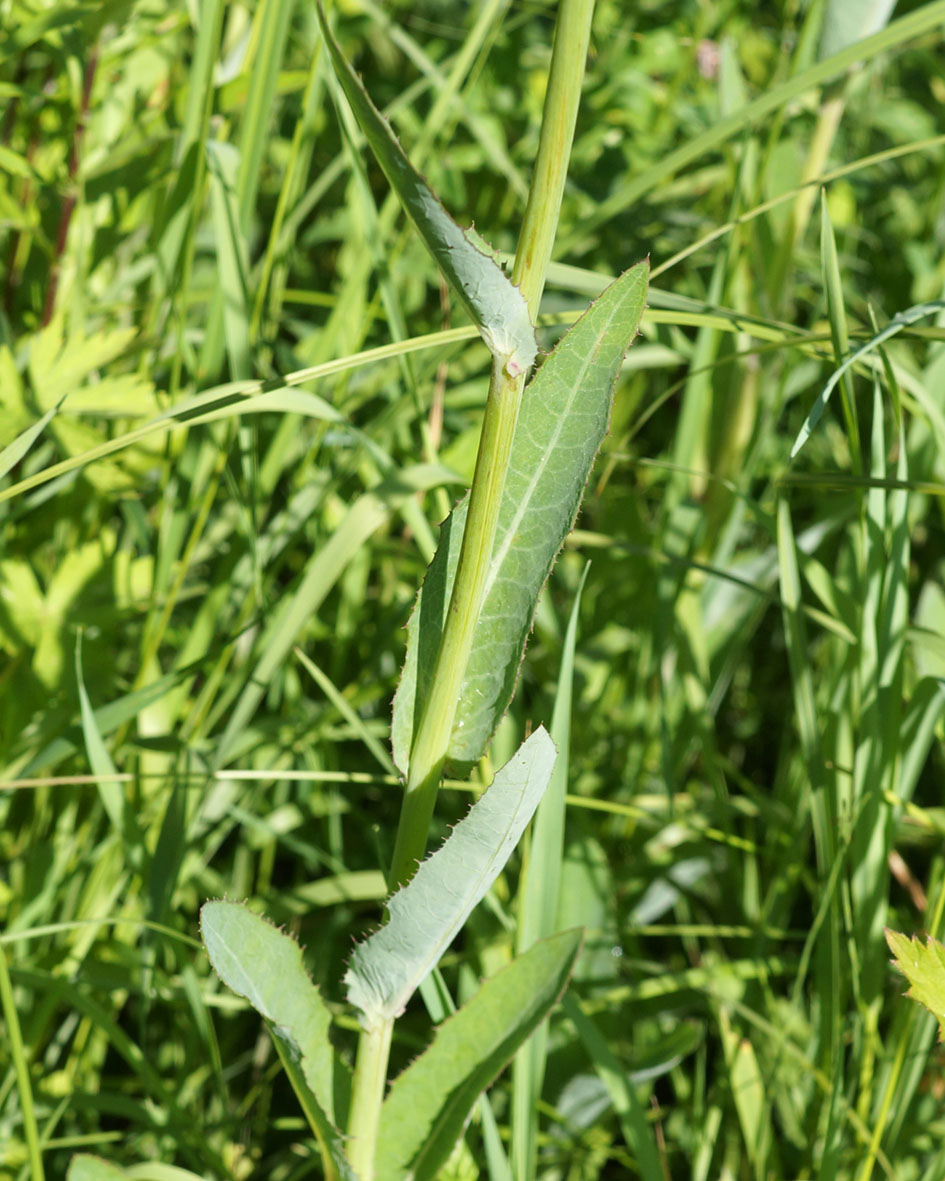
367	1095
436	724
431	742
568	55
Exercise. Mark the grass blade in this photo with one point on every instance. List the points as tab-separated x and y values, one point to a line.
900	321
538	901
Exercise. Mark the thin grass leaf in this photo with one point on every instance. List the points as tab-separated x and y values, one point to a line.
11	455
637	1133
19	1061
900	321
112	796
836	310
107	718
232	255
272	21
228	401
538	900
354	720
751	1103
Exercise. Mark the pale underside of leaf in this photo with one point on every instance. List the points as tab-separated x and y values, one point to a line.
427	914
563	419
497	308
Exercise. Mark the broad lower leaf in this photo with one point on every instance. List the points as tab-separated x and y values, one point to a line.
498	308
260	963
428	1105
564	416
427	914
923	965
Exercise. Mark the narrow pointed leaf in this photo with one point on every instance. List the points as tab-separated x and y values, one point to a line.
538	900
900	321
428	1105
11	455
110	791
427	914
223	162
563	419
923	965
262	964
497	308
637	1133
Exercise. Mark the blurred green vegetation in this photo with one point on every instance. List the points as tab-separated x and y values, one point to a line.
756	758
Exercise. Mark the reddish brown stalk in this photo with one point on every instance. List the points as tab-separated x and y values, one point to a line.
68	205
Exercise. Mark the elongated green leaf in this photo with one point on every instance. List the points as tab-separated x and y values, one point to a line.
538	902
896	324
265	966
100	760
498	309
427	914
923	965
107	719
563	419
11	455
636	1131
424	1113
223	160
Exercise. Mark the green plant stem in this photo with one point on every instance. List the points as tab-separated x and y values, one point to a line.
562	98
429	749
431	742
370	1079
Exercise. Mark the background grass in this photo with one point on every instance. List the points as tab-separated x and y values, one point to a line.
756	753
